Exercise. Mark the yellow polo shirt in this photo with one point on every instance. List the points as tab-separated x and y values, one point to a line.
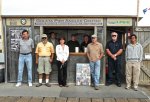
44	50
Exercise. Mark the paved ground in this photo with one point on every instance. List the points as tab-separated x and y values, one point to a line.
146	89
72	91
49	99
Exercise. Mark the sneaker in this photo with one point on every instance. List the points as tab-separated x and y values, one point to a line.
96	88
48	85
18	84
39	84
135	89
30	84
60	85
127	88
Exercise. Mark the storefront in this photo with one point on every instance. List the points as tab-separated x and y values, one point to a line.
64	26
36	26
66	18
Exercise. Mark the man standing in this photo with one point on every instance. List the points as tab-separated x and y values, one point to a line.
73	43
134	54
114	50
85	42
53	39
25	45
44	57
95	54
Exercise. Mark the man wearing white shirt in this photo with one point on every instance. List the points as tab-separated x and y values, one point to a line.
62	53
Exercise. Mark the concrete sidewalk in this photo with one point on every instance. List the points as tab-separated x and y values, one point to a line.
112	91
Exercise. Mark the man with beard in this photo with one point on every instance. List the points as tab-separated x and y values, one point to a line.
114	50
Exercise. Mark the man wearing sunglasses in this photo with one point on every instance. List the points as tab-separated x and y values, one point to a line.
95	54
44	57
114	50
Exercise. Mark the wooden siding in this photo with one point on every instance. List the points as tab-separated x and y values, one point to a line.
144	39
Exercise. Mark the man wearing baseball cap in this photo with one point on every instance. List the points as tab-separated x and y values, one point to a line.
95	54
44	57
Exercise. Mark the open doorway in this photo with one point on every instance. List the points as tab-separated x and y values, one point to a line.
123	33
68	31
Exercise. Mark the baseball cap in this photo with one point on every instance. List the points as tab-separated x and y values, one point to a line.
94	36
43	35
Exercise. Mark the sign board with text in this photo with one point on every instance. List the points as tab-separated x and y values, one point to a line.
119	22
68	22
142	29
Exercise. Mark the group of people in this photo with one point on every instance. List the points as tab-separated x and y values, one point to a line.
133	58
44	57
46	51
74	43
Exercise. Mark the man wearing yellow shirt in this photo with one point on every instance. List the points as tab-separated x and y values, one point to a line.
44	57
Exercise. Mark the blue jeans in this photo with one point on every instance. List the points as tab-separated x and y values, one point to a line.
95	72
28	60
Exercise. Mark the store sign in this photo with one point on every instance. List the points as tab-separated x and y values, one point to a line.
142	29
119	22
18	22
68	22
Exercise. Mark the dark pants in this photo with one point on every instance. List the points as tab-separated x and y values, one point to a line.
114	66
62	73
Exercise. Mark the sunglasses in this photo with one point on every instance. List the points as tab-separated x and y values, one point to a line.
93	38
44	38
114	35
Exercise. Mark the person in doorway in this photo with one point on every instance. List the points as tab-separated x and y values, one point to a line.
114	50
73	43
95	54
62	53
85	42
134	55
44	58
53	39
26	46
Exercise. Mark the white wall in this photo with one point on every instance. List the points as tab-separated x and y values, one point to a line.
1	42
69	7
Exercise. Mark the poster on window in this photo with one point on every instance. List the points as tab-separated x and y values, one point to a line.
15	36
83	74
